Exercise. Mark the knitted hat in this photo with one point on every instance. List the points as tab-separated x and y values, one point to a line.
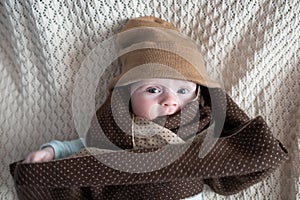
153	48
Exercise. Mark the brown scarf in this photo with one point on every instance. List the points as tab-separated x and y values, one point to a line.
138	166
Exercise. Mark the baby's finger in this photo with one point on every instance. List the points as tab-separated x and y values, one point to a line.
27	159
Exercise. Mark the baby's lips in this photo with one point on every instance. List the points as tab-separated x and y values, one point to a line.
168	110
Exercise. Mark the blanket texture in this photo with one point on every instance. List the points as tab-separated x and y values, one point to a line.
253	45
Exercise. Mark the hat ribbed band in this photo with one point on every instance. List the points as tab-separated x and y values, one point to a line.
148	21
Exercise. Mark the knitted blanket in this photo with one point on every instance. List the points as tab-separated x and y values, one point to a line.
252	45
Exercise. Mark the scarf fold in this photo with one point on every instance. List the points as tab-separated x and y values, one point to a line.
171	163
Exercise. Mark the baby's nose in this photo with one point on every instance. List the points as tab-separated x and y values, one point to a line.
169	99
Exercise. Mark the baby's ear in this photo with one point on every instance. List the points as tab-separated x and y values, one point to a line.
198	90
197	93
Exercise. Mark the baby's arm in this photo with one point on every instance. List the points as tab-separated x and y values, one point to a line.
55	150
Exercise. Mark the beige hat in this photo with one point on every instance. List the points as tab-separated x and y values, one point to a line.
153	48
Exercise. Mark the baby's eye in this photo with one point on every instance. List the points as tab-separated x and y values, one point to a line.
153	90
183	91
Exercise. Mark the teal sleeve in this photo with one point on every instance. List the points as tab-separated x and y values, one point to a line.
65	148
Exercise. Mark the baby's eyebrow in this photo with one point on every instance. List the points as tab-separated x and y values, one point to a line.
188	86
152	84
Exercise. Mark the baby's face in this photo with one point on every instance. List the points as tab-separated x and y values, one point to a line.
152	98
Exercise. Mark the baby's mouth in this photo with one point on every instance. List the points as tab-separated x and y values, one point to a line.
160	111
168	111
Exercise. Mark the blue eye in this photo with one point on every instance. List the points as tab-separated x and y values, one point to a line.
153	90
183	91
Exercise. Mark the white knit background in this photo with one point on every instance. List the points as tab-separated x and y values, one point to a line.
253	45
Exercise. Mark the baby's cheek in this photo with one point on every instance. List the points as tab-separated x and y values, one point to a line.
187	99
139	109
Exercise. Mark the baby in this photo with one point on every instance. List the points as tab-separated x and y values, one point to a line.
164	97
151	98
161	80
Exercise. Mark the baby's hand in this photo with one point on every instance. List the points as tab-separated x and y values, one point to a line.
43	155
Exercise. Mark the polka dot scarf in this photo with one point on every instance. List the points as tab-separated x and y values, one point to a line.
167	158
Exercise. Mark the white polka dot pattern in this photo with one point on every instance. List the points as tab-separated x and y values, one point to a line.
245	154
